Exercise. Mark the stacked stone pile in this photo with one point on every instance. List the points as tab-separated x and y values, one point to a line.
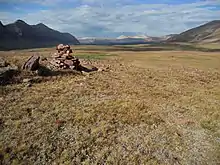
63	59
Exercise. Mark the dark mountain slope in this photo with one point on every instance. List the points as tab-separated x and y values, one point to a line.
20	35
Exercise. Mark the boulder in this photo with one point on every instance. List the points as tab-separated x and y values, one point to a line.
32	63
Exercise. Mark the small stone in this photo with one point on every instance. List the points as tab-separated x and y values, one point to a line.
100	70
26	80
103	69
69	62
60	47
28	85
44	59
59	123
72	67
85	73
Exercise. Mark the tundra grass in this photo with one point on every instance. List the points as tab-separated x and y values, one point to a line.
157	107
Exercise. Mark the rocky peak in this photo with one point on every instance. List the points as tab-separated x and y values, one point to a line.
41	25
20	22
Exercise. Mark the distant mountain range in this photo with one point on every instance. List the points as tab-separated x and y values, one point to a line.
135	37
110	41
145	37
20	35
207	33
123	40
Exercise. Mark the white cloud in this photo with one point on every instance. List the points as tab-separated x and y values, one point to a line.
102	18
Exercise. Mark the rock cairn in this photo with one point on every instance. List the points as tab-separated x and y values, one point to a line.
63	58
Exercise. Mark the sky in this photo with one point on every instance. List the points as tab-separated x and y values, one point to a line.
112	18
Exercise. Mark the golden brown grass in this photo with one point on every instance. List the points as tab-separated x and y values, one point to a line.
209	46
150	108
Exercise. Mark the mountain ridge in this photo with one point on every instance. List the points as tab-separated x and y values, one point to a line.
206	33
20	35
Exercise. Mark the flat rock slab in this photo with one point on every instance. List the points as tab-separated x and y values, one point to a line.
88	68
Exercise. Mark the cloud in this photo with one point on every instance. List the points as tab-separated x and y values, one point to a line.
112	18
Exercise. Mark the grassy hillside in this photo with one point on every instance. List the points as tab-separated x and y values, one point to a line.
207	33
214	37
151	107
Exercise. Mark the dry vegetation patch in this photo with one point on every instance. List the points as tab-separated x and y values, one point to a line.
139	112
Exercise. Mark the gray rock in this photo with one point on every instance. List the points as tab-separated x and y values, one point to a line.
32	63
